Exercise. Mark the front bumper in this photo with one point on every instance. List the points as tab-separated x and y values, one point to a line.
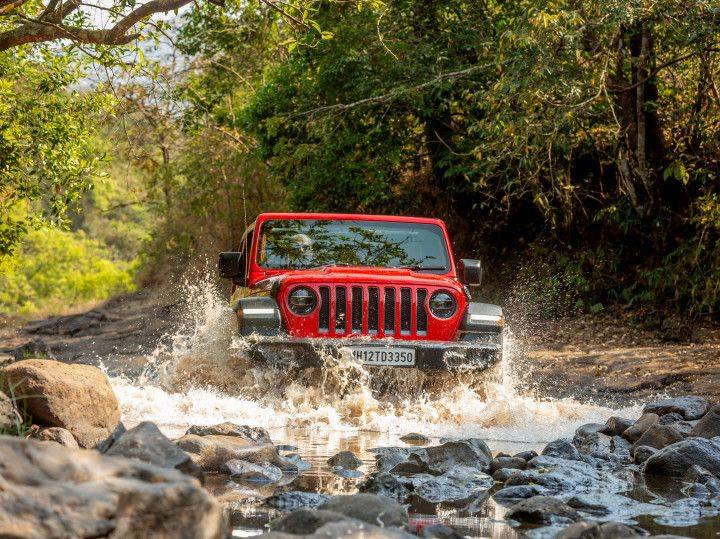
429	355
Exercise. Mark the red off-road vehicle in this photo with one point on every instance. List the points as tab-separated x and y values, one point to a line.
388	289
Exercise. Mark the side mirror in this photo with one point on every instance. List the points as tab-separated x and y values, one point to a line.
231	266
472	272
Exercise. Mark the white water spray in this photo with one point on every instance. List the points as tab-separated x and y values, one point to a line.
199	375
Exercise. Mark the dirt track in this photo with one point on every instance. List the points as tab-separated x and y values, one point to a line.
589	358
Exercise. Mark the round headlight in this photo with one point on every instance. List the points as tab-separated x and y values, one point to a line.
442	305
302	301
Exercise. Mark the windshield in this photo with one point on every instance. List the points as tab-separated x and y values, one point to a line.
305	243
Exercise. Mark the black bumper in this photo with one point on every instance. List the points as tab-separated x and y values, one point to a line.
429	355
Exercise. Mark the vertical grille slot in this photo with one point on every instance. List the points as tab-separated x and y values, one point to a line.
373	309
324	314
340	309
405	310
390	310
357	308
421	312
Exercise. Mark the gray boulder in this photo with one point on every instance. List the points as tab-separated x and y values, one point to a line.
669	419
642	453
53	491
253	434
562	448
542	510
503	474
59	435
699	475
615	425
526	455
145	442
709	425
659	436
376	510
590	439
676	459
345	459
248	472
632	434
305	521
386	458
471	453
211	452
519	492
386	484
688	407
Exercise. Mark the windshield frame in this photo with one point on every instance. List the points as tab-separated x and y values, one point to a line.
450	270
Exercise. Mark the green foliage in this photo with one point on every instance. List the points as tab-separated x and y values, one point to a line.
56	269
47	156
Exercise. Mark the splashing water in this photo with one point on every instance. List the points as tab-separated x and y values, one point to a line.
200	375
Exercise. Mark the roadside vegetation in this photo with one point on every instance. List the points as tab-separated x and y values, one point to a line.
573	145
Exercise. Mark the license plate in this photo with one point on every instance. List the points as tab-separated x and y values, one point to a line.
391	357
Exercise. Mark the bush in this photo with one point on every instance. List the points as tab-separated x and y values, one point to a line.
55	270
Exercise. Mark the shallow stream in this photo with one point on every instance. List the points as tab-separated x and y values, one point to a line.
199	376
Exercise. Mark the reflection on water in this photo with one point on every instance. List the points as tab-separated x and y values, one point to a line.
200	376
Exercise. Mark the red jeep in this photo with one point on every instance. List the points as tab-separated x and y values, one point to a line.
388	289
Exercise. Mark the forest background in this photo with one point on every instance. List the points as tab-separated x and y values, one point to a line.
572	145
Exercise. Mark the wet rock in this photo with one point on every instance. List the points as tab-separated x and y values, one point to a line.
440	531
414	438
459	483
145	442
586	529
409	467
473	453
305	521
385	484
688	407
345	459
642	453
53	491
507	494
241	470
633	433
562	448
75	397
288	501
386	458
615	425
669	419
503	474
526	455
619	444
369	508
253	434
211	452
588	504
709	425
698	474
286	447
500	463
57	434
590	439
347	474
542	510
659	436
676	459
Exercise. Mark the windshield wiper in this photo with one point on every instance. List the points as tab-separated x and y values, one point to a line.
418	268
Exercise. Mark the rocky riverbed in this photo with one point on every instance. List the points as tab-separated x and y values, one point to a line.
176	435
76	471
